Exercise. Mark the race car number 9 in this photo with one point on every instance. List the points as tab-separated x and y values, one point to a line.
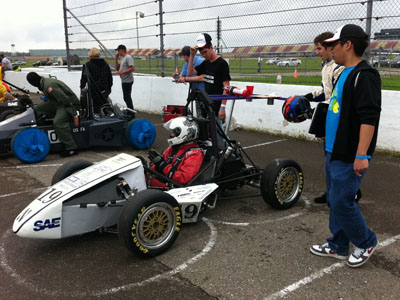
51	195
190	211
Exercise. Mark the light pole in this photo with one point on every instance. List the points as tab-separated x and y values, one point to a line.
137	27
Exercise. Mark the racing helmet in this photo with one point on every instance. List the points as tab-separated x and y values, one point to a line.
183	130
297	109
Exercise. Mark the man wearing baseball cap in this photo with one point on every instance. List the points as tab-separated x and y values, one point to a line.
214	71
194	81
125	69
351	133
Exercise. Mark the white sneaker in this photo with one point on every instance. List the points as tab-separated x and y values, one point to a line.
325	250
360	256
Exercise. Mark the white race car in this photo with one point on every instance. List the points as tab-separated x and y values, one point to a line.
86	197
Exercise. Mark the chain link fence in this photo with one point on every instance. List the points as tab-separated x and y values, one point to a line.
242	31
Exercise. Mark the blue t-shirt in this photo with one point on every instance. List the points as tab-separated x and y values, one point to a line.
197	61
335	105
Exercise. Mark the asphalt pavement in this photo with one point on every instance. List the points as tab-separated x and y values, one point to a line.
242	249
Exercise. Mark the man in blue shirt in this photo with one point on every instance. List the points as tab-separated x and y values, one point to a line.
195	81
351	133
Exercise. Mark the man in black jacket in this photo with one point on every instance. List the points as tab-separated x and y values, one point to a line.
351	134
100	72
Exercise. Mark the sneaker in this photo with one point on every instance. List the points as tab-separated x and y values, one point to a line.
320	199
360	256
67	153
325	250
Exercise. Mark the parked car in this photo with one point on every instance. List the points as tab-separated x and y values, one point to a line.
377	60
19	63
289	62
395	62
40	63
273	61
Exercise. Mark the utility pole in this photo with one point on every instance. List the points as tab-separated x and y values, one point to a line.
161	38
66	33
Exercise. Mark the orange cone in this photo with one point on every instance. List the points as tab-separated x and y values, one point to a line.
296	75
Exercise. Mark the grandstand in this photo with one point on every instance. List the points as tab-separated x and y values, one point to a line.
251	51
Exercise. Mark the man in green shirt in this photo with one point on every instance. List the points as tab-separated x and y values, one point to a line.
62	105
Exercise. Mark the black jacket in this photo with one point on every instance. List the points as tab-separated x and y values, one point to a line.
101	74
361	104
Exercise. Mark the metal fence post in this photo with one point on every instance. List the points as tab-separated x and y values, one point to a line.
66	34
368	26
161	38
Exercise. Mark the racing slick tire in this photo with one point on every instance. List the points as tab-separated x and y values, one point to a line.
150	222
30	145
69	168
282	183
140	133
6	115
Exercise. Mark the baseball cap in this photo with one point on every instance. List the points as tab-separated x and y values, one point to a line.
185	51
347	31
203	40
121	47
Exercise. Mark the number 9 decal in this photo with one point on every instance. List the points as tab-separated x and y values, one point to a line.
190	211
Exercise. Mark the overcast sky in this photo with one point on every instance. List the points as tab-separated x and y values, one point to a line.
39	24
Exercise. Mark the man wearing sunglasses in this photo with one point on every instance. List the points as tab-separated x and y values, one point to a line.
351	133
214	71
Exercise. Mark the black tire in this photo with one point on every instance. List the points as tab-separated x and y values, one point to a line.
6	115
138	217
282	183
69	168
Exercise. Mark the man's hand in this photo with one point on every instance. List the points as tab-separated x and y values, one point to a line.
360	166
193	51
222	115
118	73
181	79
157	159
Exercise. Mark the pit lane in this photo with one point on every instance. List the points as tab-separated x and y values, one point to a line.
243	250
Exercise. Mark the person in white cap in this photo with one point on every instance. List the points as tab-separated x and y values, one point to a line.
214	71
351	133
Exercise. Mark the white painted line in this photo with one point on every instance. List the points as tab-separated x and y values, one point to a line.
31	166
23	192
295	215
306	280
263	144
166	275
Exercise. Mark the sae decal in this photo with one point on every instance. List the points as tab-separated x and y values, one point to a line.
48	223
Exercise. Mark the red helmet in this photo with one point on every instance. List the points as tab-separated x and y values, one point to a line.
297	109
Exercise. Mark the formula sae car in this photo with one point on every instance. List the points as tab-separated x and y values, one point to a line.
10	108
31	140
86	197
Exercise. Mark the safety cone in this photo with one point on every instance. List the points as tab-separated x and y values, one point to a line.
279	78
296	75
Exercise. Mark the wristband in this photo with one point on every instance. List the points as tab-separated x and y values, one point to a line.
363	157
222	107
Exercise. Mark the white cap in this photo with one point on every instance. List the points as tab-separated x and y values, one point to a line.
202	40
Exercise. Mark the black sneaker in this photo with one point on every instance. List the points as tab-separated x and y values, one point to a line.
325	250
320	199
67	153
360	256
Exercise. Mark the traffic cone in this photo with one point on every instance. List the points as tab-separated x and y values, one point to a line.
296	75
279	78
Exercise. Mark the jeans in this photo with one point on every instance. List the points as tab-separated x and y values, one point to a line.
127	91
346	222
